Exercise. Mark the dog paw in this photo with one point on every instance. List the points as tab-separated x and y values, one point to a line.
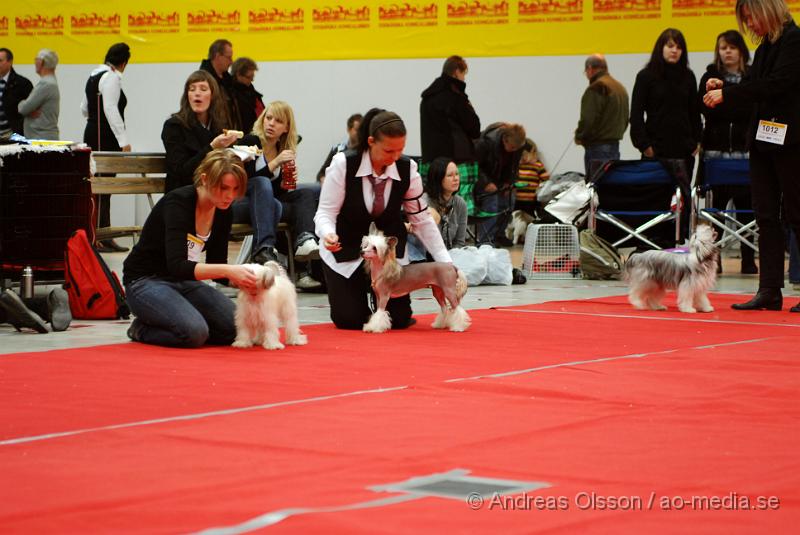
272	346
688	310
298	340
440	322
242	344
658	307
707	309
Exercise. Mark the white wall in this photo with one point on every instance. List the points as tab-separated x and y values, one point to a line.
541	93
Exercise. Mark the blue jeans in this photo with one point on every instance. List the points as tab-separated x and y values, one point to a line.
179	313
596	155
499	203
261	210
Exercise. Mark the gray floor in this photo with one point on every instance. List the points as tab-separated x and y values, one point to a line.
313	308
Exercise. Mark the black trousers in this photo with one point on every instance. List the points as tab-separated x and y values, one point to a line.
350	300
775	183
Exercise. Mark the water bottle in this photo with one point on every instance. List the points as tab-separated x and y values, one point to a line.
27	282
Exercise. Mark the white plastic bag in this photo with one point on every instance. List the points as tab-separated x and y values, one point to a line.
571	206
498	265
472	263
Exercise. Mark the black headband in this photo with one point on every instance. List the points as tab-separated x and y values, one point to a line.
374	129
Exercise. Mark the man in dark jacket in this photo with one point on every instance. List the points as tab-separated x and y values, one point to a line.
13	90
448	123
498	151
220	57
604	115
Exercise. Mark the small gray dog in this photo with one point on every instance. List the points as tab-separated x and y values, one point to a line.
651	273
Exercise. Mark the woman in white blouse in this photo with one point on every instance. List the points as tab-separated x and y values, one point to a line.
373	184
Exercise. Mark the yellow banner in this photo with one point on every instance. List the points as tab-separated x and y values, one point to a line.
173	31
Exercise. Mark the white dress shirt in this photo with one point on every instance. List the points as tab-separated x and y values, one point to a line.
332	197
110	87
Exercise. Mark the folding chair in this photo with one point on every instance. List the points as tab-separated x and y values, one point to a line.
722	172
637	192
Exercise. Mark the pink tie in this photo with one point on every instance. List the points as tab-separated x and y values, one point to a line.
377	202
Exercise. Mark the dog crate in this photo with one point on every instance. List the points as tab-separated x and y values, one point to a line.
551	252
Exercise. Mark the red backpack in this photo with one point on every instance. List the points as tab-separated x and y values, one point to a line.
94	290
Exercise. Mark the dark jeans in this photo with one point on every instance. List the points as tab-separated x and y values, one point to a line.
300	205
775	178
180	313
350	300
595	156
499	203
261	210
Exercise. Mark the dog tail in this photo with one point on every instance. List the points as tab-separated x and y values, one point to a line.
461	283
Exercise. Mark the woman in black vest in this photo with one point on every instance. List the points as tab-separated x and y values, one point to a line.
773	86
348	206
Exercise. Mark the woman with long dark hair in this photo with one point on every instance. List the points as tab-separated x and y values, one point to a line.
197	129
773	86
725	129
449	209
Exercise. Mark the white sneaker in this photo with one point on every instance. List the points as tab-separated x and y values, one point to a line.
307	282
308	250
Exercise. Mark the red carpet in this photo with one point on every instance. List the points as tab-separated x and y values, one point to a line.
680	407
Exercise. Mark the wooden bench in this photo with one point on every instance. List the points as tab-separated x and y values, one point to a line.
145	173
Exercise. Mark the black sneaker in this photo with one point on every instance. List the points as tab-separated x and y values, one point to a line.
517	277
264	255
58	307
19	315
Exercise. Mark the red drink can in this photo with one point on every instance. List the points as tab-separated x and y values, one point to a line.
288	175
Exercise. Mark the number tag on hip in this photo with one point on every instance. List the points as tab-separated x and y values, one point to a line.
771	132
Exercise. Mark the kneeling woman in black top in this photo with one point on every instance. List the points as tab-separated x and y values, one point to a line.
163	273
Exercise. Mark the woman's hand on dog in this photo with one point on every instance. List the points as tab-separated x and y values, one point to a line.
331	242
243	278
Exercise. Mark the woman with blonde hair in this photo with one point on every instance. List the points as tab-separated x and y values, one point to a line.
772	85
184	242
275	132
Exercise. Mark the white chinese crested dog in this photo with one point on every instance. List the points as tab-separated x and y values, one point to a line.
390	279
651	273
518	226
259	316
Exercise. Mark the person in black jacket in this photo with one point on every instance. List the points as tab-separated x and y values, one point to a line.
163	274
773	86
220	57
725	129
14	88
248	100
448	123
498	150
195	131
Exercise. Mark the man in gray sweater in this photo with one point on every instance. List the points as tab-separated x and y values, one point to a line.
41	108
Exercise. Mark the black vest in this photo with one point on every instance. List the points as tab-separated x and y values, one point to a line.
104	139
353	221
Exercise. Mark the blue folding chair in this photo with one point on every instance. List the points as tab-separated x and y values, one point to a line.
722	172
636	192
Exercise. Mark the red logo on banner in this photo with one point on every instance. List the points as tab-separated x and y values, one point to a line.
154	22
39	25
476	12
275	16
340	14
212	20
92	23
627	9
3	25
550	7
408	11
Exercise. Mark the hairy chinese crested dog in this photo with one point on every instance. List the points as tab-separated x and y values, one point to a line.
518	226
259	316
390	279
650	274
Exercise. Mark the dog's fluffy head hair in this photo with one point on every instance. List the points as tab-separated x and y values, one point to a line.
702	244
376	245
